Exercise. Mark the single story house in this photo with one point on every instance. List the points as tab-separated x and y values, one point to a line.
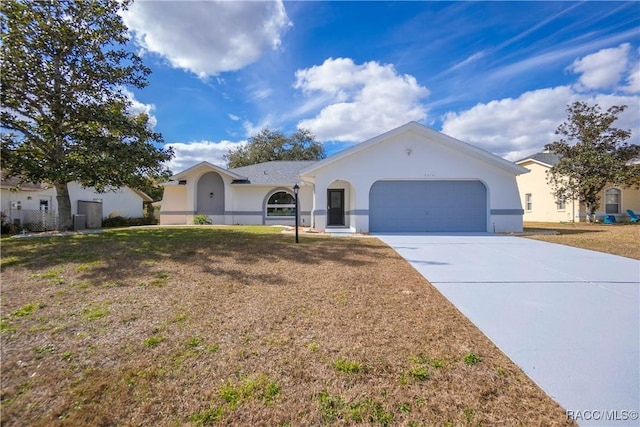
35	206
410	179
541	205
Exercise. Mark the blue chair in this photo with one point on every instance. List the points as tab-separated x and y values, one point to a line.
634	217
609	219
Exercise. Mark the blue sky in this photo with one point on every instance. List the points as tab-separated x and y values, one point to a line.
498	75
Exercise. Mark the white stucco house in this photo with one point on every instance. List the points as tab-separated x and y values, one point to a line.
410	179
540	204
36	205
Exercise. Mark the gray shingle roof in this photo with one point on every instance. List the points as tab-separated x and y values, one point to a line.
15	182
275	172
547	158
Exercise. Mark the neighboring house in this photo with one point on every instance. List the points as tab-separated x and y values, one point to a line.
35	205
540	204
410	179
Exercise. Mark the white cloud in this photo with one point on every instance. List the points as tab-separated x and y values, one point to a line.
189	154
366	99
517	127
510	127
603	69
138	107
207	37
633	80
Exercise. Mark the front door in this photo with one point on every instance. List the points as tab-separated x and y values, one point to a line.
335	208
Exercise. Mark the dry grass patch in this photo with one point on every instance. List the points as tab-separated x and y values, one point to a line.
616	239
239	326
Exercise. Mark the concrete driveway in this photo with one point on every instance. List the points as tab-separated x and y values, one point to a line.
569	317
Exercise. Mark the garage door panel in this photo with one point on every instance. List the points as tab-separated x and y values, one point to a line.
423	206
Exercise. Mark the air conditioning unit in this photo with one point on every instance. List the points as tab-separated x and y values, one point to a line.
79	222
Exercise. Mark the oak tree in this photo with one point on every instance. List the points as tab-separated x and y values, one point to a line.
271	145
66	108
593	154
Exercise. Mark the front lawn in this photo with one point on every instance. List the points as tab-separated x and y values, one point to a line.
616	239
240	326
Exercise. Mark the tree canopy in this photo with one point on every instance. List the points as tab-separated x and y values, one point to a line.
271	145
66	108
593	154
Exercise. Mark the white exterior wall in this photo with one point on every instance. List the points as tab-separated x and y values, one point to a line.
173	206
409	156
249	204
179	201
29	200
121	202
244	203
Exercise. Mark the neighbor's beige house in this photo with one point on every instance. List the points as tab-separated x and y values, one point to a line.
540	205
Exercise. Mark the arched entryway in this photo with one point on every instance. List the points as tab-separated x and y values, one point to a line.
210	194
340	204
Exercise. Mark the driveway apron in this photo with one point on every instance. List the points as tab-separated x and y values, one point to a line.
569	317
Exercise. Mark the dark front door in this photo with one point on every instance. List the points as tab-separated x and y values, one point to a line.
335	208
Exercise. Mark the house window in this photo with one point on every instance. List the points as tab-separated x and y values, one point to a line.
612	201
528	201
281	204
561	203
44	205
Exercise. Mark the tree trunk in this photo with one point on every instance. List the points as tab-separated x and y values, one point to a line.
65	221
591	213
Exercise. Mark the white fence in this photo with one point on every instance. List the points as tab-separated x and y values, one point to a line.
33	220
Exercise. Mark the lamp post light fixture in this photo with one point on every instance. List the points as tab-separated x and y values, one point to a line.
295	193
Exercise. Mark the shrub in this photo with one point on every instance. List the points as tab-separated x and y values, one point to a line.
201	219
121	221
7	227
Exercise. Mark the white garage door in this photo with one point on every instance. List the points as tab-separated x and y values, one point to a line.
427	206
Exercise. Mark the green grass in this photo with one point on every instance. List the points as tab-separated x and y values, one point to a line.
366	411
26	310
95	312
258	387
8	261
347	366
472	359
153	341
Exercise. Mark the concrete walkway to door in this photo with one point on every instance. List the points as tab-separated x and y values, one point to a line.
569	317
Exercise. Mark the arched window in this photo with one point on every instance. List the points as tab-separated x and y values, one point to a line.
281	204
612	201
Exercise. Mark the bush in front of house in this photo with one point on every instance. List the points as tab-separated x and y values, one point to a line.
121	221
8	228
201	219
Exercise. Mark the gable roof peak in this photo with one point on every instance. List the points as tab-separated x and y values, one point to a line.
429	134
547	158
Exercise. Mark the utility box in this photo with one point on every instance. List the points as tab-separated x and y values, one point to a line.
79	222
92	211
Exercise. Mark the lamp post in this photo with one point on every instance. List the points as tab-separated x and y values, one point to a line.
295	193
